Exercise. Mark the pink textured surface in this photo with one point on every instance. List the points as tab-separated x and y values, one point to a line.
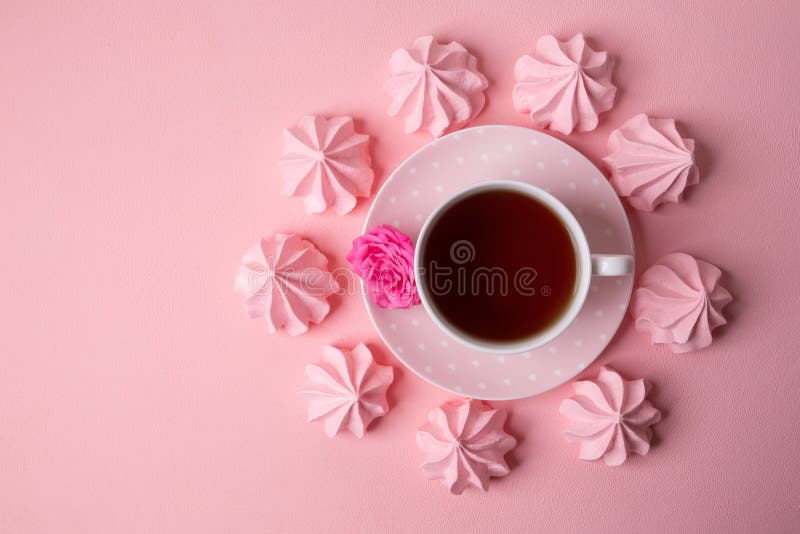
138	159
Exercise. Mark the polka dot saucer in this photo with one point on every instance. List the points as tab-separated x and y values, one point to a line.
445	166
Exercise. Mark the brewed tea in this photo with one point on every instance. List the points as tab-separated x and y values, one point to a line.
500	266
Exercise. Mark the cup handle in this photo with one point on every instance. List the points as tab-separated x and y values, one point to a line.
612	264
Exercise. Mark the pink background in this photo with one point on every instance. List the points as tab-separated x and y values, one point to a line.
138	144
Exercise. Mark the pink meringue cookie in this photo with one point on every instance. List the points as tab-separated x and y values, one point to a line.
465	444
650	163
286	280
565	85
679	302
610	417
327	163
435	87
348	389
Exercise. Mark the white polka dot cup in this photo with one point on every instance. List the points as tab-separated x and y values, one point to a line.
587	265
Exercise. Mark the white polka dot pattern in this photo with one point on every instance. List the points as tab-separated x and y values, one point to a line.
453	162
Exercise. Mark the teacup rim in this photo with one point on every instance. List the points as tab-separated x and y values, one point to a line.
583	278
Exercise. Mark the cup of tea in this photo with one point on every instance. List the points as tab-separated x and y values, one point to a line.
504	267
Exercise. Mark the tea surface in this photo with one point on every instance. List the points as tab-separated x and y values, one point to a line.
500	266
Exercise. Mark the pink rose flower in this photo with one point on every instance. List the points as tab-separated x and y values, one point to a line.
384	259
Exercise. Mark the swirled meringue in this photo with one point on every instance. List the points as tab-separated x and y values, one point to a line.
348	389
565	85
465	444
285	279
679	302
327	163
650	163
610	417
435	87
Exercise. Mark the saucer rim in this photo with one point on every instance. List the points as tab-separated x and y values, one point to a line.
368	304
